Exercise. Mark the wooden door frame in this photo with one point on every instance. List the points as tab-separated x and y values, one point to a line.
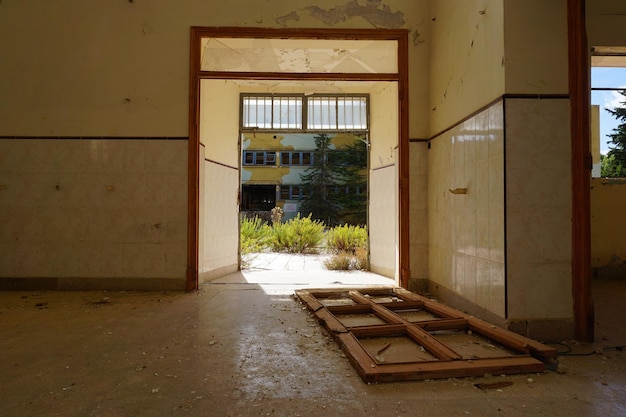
196	74
579	89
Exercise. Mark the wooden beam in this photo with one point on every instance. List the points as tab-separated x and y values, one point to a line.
451	369
579	74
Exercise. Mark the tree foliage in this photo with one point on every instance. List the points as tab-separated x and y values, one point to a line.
611	168
318	180
336	183
614	164
353	178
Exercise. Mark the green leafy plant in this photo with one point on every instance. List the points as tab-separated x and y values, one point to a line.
298	235
614	164
348	243
254	234
346	238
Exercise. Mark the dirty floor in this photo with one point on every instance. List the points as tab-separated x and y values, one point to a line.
243	346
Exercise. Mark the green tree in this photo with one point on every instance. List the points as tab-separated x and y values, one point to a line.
318	180
614	164
352	171
611	168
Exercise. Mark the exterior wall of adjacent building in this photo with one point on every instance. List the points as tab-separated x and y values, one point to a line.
608	249
282	173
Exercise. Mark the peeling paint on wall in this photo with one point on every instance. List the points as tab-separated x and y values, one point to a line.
291	17
374	12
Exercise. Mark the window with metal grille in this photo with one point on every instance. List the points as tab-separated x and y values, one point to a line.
272	112
304	113
337	113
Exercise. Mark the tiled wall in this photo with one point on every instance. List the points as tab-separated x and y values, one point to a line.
505	245
466	231
383	221
91	210
539	207
418	218
219	236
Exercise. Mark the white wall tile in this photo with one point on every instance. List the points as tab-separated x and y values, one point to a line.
466	231
81	207
538	198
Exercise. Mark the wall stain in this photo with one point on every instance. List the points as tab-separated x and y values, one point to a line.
291	17
375	12
416	36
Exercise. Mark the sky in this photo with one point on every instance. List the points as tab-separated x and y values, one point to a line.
607	78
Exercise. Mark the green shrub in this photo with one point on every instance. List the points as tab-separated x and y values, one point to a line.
341	261
254	235
348	243
344	261
346	238
298	235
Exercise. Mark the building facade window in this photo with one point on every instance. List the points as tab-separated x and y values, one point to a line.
292	192
259	158
296	158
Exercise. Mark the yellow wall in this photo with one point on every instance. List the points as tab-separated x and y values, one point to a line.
121	68
606	22
466	64
608	201
535	39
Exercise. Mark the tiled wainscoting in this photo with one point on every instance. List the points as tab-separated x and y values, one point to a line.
87	213
466	228
499	210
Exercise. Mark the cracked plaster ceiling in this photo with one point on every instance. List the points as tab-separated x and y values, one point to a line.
299	55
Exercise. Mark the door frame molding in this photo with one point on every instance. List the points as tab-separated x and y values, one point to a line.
579	89
196	74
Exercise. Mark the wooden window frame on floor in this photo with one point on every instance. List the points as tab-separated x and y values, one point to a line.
528	355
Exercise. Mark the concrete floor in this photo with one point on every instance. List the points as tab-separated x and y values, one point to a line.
243	346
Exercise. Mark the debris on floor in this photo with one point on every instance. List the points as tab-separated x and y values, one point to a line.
391	334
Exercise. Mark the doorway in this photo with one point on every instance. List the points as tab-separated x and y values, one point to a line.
608	193
225	59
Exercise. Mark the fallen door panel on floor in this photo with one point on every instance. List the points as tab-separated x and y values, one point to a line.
392	334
